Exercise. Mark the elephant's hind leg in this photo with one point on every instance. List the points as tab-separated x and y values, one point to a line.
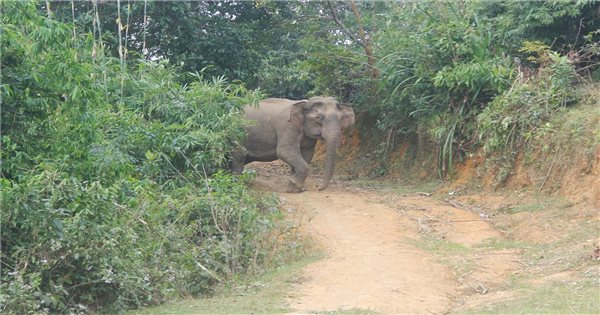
237	162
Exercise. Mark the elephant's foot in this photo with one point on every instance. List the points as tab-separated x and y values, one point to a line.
323	187
292	188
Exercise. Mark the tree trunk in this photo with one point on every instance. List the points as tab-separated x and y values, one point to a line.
365	41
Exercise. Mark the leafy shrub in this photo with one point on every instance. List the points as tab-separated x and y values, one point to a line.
338	71
69	244
285	74
552	22
489	76
441	63
514	115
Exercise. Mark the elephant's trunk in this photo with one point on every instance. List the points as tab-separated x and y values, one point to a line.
332	144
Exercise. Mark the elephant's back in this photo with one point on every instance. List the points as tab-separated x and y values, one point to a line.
271	107
278	101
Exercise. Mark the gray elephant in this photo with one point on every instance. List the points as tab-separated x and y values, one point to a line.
289	130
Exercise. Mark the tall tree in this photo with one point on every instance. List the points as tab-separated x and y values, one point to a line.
221	38
359	36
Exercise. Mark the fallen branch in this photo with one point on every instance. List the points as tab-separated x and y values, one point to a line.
210	273
522	263
481	289
472	220
420	193
455	204
462	220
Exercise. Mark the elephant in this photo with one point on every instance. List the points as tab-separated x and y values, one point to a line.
288	130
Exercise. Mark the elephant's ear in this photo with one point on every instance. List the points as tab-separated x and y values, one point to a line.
347	119
297	114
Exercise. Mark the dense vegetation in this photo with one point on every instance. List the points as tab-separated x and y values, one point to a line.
115	134
111	191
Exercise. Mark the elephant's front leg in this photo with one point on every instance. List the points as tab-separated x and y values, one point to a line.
307	155
292	156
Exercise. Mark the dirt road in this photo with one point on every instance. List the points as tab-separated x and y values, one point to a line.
380	251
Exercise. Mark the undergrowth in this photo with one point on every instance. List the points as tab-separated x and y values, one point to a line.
511	118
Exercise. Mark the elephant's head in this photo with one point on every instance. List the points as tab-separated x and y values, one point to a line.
323	118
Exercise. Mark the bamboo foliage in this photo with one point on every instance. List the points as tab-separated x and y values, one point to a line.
74	28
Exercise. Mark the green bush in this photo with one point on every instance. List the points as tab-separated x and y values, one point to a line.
513	116
285	74
441	63
448	70
70	244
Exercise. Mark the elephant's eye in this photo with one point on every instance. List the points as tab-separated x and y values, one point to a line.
319	117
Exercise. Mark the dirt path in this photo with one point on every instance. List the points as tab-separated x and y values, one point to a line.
369	264
375	256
